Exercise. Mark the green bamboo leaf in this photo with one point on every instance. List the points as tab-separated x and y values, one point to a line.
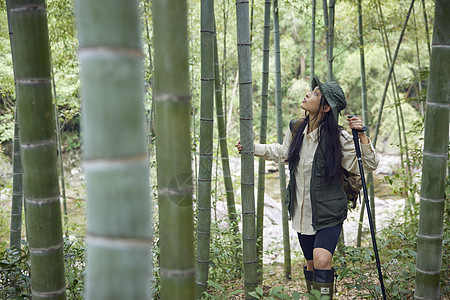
295	295
216	285
235	292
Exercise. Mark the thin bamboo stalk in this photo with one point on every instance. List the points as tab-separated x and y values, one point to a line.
60	158
232	217
330	45
427	31
114	153
172	114
326	28
391	69
247	154
17	192
365	115
224	64
419	69
38	148
313	36
281	167
262	140
206	144
435	161
403	143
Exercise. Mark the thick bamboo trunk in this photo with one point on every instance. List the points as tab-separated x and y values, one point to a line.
262	140
173	149
281	167
435	161
247	154
115	158
206	144
38	148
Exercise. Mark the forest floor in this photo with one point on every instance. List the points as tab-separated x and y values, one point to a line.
273	278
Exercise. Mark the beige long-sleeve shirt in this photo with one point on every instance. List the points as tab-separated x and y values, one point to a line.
302	219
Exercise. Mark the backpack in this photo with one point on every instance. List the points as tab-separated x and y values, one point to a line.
351	182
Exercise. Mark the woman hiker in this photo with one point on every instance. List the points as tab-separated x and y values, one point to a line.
317	149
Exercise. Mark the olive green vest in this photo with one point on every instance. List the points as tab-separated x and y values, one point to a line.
328	199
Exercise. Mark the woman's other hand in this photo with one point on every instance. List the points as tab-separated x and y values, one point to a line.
355	122
239	146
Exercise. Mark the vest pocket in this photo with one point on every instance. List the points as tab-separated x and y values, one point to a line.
330	204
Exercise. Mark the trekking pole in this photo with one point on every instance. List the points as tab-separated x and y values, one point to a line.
366	200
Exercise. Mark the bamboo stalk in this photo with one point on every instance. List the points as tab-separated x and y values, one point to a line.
399	113
232	217
262	140
325	24
115	158
281	167
419	69
60	158
206	144
247	154
172	114
330	45
391	69
365	116
38	148
427	32
435	161
17	192
313	37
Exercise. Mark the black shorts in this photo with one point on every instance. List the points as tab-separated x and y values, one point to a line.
326	238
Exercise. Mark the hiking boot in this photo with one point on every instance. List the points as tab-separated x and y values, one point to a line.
323	281
308	278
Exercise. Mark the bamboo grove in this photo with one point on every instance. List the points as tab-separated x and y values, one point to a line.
152	77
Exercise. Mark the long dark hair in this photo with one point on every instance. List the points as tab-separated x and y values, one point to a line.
329	142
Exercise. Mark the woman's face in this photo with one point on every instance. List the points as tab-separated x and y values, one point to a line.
311	103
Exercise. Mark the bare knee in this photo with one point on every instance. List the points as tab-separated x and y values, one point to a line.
322	258
310	265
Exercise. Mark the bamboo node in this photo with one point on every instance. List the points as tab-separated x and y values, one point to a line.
33	81
42	201
48	294
29	7
176	273
206	120
46	250
204	233
171	98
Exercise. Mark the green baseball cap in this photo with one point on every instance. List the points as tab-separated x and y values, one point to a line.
333	94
